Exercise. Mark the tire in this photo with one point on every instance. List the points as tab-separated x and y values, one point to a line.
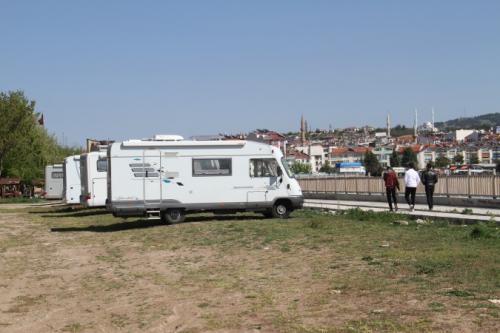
281	210
173	215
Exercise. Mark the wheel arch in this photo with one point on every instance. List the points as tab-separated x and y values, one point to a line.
285	201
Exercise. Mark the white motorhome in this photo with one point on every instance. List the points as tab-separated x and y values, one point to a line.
72	181
93	173
54	176
168	177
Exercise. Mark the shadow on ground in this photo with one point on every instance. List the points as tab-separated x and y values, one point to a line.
143	224
62	210
82	213
138	224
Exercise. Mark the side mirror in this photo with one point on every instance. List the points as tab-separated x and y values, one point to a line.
280	173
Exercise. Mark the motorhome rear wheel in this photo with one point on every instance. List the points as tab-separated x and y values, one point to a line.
173	215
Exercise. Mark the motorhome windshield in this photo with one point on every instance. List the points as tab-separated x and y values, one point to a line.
287	168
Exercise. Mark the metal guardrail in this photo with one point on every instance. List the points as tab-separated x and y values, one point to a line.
450	186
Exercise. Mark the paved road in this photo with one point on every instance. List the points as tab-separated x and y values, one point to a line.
446	212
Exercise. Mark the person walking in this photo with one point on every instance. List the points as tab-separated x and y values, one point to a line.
412	179
429	179
391	184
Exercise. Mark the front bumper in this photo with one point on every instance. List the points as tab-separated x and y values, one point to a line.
297	202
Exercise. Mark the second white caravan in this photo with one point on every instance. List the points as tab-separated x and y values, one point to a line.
72	181
169	177
54	176
93	173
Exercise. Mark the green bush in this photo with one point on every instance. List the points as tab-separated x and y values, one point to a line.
483	231
428	266
467	211
369	215
458	293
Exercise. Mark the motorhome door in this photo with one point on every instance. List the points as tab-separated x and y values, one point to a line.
99	190
152	173
264	177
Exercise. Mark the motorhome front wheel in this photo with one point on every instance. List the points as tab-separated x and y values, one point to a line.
281	210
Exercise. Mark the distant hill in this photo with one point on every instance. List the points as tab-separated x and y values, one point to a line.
484	121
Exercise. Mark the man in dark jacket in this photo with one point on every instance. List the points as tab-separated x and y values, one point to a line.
391	184
429	179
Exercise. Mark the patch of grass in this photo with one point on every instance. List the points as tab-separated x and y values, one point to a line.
315	272
24	303
375	263
429	266
467	211
285	248
317	224
441	223
119	320
436	306
20	200
386	325
486	306
311	213
73	328
100	284
458	293
191	330
482	231
113	254
358	214
14	241
221	322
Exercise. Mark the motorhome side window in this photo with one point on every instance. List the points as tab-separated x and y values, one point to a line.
102	165
264	167
211	167
57	174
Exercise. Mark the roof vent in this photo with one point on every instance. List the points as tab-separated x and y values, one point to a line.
164	137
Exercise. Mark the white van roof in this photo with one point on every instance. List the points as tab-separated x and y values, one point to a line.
185	143
167	137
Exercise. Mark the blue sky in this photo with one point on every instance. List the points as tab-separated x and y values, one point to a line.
130	69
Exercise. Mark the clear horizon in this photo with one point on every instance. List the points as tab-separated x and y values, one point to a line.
124	70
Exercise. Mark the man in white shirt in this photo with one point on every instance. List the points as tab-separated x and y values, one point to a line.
412	179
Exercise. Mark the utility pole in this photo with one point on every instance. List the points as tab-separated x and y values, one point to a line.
433	120
302	130
388	125
415	128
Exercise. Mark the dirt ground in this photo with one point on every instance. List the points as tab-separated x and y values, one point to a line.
65	271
